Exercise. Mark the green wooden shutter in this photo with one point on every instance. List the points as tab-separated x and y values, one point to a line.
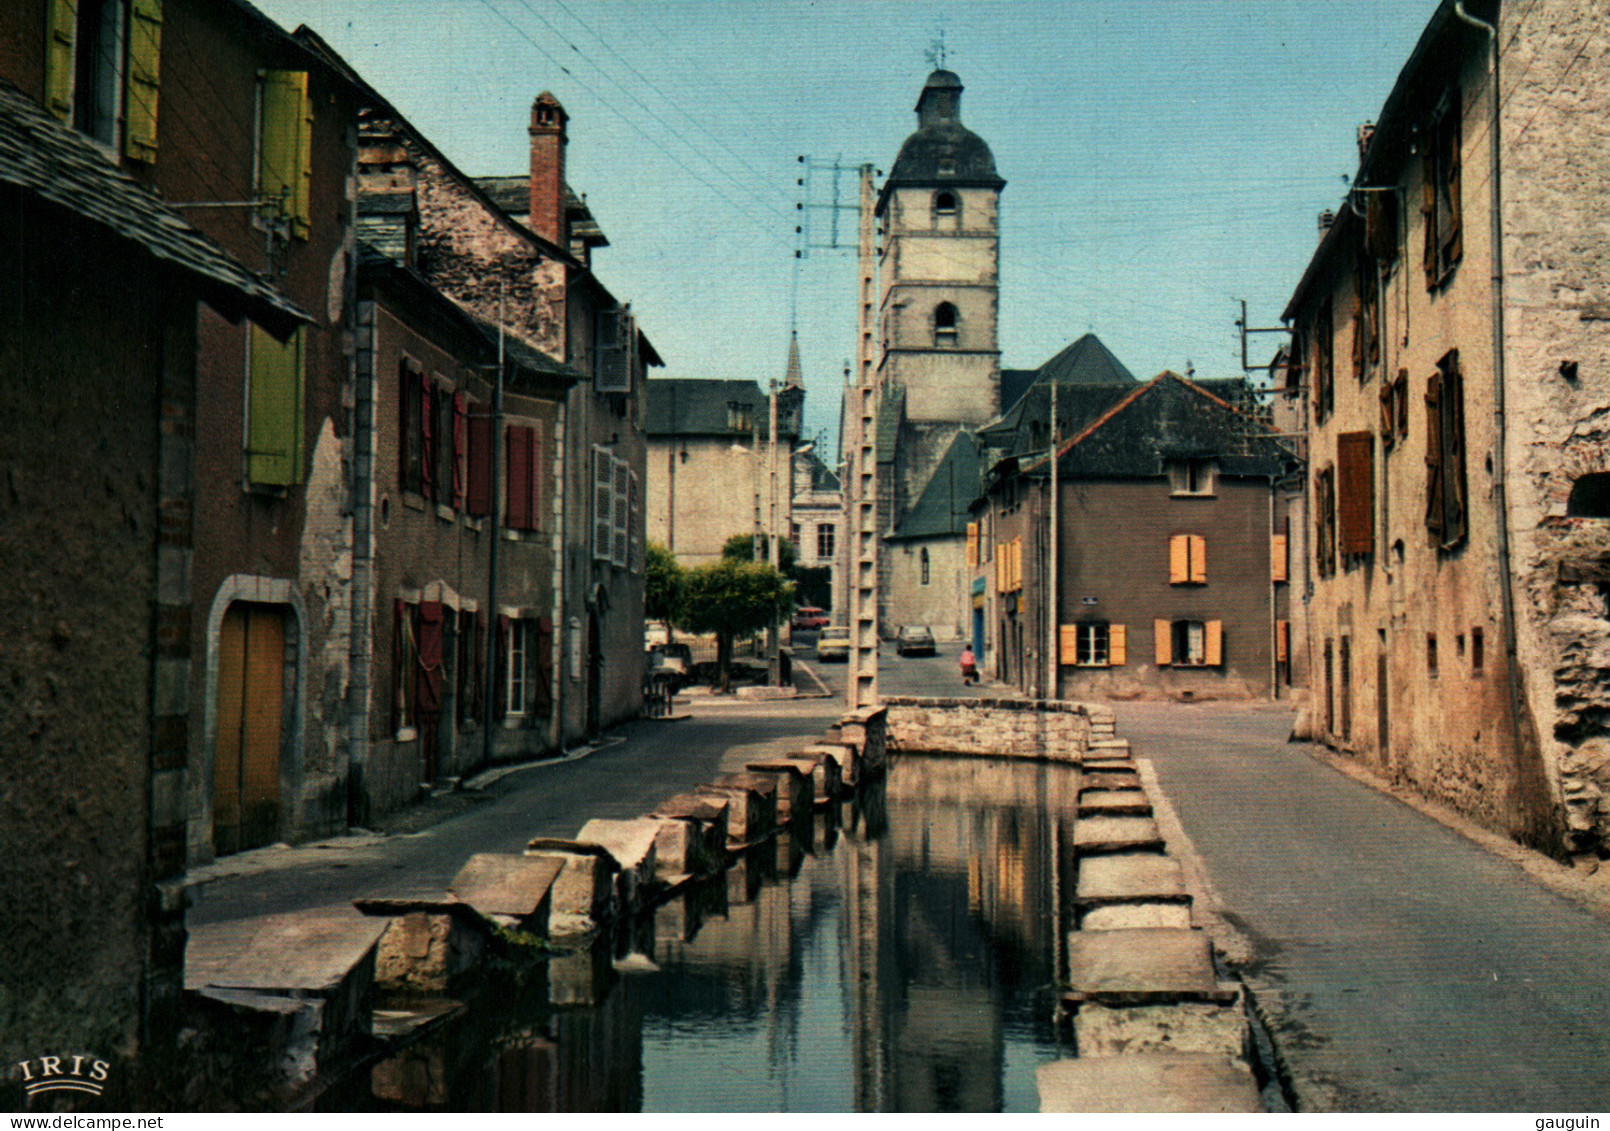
59	50
274	432
144	79
285	157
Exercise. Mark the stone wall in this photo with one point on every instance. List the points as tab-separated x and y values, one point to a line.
1041	729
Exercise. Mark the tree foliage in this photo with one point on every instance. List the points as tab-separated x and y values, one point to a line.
741	548
662	586
731	599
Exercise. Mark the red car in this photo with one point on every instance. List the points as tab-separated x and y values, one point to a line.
809	616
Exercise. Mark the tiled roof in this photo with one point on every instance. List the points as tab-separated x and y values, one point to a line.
48	160
942	508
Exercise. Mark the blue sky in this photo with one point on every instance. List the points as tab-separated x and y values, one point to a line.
1163	158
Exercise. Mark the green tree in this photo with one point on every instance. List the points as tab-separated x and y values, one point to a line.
732	599
662	587
741	548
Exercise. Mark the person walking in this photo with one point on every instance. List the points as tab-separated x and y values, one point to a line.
969	664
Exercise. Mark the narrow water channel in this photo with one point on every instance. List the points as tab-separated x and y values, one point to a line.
896	956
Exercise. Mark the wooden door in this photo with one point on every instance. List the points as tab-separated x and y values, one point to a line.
251	702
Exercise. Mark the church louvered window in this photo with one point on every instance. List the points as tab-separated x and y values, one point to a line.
946	326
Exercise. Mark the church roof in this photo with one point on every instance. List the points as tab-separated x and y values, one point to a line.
1089	381
942	152
1169	417
942	508
891	415
1085	362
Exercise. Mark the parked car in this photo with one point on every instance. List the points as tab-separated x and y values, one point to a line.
809	616
834	643
914	640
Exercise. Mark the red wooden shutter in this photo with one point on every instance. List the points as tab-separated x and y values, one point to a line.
1434	454
1355	466
461	443
430	657
398	675
428	429
534	477
1455	502
479	498
517	505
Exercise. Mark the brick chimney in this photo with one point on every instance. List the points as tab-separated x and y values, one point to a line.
548	143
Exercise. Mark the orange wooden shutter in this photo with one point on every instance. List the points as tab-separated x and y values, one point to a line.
1198	559
1277	557
1213	647
1355	467
1117	645
1069	636
1179	563
1163	633
1283	641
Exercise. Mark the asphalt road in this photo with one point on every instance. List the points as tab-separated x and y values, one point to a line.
905	675
643	763
1403	967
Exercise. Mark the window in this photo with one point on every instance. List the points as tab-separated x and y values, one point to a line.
274	409
98	69
825	544
1440	204
1590	496
1191	476
514	669
1325	521
1187	559
947	211
615	342
1330	687
972	546
923	558
1395	411
1478	650
615	510
522	509
1367	320
285	149
1093	645
1431	654
740	417
945	325
404	661
1189	643
102	70
1355	473
1322	363
1446	497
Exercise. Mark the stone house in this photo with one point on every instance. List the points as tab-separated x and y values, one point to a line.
708	471
219	113
445	654
99	316
1169	578
816	509
1452	327
514	267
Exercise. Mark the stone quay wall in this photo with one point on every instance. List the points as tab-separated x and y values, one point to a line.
1053	730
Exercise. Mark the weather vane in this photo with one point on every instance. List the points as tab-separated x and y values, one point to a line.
936	52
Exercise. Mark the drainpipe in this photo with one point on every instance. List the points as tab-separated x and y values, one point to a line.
360	644
1053	582
1521	732
495	521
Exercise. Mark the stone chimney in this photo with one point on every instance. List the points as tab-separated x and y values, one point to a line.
548	212
1327	221
1366	134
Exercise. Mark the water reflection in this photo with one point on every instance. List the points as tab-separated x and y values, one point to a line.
894	954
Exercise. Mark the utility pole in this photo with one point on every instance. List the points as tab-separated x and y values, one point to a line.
1053	583
773	535
862	686
493	521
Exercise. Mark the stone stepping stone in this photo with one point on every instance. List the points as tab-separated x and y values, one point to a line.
317	952
508	887
1106	765
1191	1026
1114	803
1139	966
1109	779
1145	1082
1131	878
1116	834
1132	916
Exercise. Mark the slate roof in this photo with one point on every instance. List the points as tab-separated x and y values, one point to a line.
513	196
697	406
1014	383
1077	406
941	137
1083	364
822	477
942	508
46	159
1169	417
891	415
1086	361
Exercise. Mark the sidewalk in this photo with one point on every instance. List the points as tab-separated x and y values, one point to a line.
1398	964
638	765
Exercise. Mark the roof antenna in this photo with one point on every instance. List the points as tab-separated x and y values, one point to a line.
937	51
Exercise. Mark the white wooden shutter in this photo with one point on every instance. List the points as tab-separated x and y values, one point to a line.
634	549
603	504
620	546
